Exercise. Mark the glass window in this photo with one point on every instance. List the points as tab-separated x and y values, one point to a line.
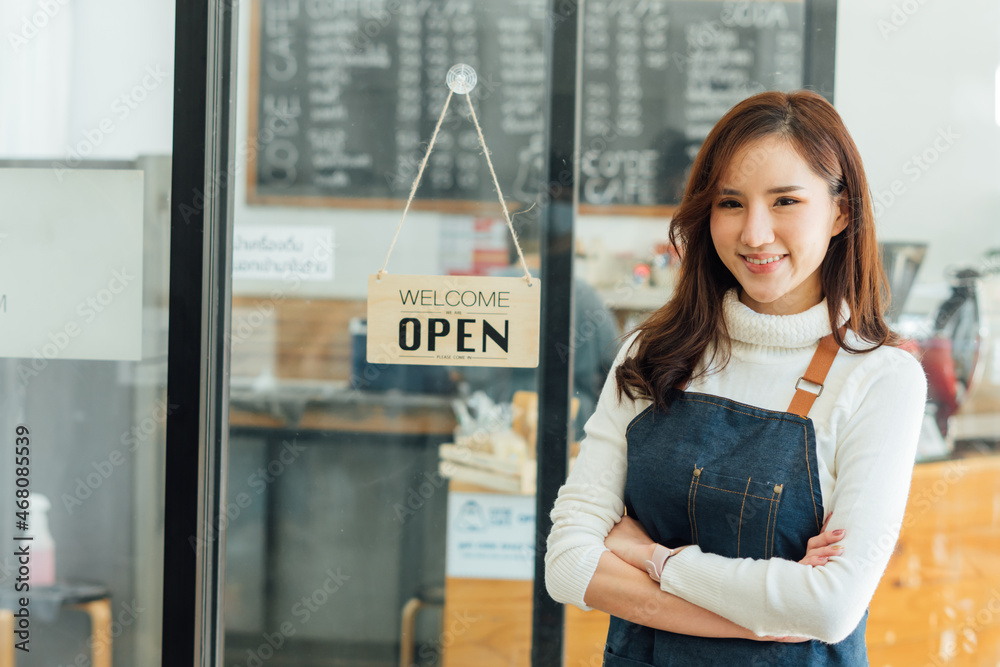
85	153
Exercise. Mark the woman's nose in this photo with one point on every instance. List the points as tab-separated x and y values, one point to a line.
757	231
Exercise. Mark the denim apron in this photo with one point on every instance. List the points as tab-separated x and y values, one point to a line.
738	481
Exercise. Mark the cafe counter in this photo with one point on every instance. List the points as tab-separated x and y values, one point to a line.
938	602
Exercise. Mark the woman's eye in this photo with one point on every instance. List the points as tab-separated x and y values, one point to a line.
729	203
786	201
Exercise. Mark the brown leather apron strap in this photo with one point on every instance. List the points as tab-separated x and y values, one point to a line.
810	385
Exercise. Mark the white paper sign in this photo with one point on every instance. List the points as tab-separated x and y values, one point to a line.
278	252
491	536
71	264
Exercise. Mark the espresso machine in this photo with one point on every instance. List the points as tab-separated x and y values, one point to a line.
966	386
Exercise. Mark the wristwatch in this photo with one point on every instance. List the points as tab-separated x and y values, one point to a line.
660	555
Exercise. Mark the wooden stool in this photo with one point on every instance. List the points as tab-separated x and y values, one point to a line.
100	629
95	601
431	597
6	638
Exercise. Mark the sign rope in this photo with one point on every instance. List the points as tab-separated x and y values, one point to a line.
461	79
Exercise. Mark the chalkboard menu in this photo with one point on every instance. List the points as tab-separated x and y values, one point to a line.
345	95
657	76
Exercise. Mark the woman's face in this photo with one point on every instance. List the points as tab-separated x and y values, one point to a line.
772	220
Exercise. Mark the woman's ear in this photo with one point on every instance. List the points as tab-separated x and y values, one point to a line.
843	215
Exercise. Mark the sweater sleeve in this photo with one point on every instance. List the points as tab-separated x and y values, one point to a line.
591	501
875	449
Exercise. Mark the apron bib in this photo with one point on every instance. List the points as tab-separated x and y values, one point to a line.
738	481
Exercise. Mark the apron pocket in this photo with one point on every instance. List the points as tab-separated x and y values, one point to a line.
733	516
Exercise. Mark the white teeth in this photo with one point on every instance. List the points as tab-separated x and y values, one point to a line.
764	261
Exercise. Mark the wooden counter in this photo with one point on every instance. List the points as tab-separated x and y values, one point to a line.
501	631
347	418
500	635
291	369
938	603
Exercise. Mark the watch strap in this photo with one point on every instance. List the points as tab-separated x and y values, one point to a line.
655	566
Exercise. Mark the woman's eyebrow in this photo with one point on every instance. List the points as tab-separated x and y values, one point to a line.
773	191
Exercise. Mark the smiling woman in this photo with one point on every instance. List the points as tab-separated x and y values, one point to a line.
767	142
772	224
697	511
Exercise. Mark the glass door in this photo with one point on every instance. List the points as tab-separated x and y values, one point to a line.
386	514
85	178
113	248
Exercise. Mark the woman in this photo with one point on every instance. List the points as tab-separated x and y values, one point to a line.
731	429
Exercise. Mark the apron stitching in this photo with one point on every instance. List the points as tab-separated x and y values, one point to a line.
784	414
736	493
739	531
694	518
767	530
812	492
638	418
774	529
724	407
690	509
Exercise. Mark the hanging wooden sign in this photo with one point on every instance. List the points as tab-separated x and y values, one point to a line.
453	321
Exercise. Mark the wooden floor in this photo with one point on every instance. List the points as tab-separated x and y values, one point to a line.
938	603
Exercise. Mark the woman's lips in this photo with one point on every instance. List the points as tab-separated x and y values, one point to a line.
763	263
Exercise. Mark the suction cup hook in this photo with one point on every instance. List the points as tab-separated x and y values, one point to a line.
461	79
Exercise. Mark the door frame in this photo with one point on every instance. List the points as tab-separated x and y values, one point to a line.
201	222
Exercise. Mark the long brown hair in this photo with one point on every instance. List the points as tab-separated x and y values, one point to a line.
676	337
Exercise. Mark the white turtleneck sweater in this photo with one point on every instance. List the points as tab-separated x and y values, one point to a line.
867	421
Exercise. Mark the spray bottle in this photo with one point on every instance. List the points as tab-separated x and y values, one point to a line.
43	547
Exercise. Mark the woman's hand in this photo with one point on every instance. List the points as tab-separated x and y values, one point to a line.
820	548
629	541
